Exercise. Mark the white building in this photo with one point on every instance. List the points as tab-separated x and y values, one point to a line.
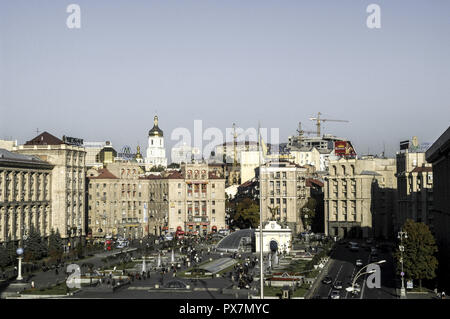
92	150
275	238
156	152
7	144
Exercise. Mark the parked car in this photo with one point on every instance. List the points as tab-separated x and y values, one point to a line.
335	294
327	280
337	285
358	263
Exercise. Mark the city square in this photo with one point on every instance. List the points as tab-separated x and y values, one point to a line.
207	150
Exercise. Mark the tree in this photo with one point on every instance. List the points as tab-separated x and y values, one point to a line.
158	168
55	245
308	212
247	213
35	248
173	165
4	257
419	261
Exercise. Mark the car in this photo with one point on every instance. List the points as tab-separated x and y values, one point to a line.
337	285
168	237
327	280
355	289
358	262
335	294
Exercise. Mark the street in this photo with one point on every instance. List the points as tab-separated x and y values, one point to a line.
344	269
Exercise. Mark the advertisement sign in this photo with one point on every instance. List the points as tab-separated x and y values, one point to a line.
72	141
344	149
409	284
404	145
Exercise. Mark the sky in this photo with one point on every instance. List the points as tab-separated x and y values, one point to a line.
274	62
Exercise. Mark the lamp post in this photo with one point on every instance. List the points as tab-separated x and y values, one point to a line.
401	235
19	252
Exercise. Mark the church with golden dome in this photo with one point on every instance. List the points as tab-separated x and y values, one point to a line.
156	152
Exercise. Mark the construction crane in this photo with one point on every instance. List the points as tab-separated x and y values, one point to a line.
320	120
301	132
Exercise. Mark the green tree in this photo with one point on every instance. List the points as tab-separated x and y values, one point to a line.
35	248
4	257
308	212
419	261
173	165
55	246
247	212
158	168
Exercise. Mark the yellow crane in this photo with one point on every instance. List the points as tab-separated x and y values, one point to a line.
320	120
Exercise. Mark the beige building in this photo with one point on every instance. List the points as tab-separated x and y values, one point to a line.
250	160
25	196
117	201
284	193
360	197
68	182
192	200
7	144
415	188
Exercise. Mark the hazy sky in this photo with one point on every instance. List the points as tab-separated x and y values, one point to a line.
225	61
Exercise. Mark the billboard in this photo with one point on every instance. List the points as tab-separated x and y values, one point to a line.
404	145
344	149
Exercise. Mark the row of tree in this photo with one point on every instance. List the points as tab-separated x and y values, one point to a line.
35	247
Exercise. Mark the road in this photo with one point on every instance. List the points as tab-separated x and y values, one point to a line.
344	269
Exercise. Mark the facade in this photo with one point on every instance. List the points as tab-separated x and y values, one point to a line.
25	196
92	150
7	144
283	193
307	156
414	188
156	152
68	213
184	153
250	160
117	201
360	197
192	200
439	156
275	238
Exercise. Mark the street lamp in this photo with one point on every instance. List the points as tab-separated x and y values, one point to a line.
19	252
401	235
